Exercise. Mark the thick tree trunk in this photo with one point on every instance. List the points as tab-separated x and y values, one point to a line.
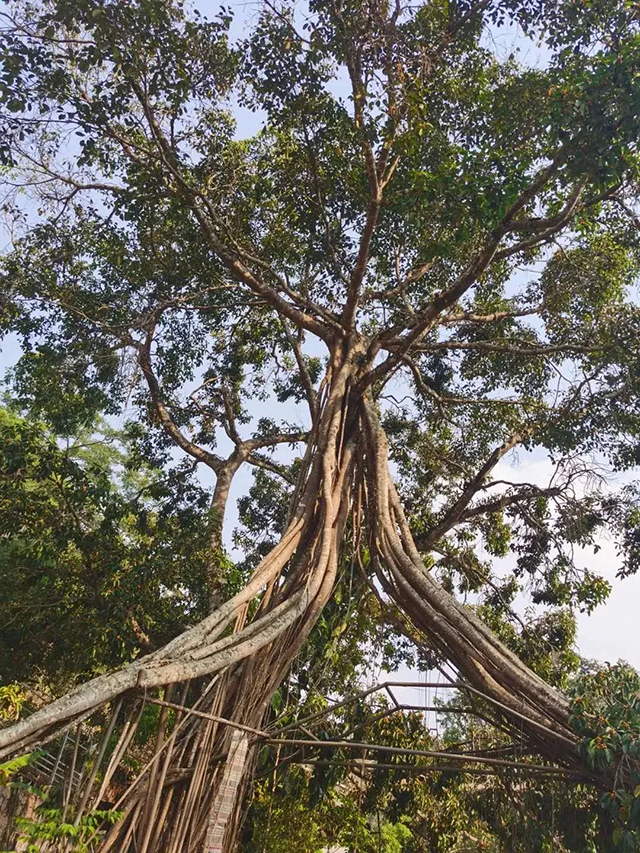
192	795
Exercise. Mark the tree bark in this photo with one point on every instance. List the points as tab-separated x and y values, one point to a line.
251	641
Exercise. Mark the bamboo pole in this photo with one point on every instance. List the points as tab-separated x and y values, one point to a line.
426	753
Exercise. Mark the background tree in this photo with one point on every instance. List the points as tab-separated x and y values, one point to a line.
92	573
360	244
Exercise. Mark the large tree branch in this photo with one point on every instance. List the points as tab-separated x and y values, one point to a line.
454	514
508	348
211	460
512	499
204	214
359	93
426	319
546	233
379	169
251	444
305	378
260	461
464	317
449	400
300	311
539	224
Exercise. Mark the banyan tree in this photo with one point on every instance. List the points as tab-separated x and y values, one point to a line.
419	262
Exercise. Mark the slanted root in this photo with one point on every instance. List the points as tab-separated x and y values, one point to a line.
189	798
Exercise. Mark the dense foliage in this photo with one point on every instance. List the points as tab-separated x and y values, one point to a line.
96	560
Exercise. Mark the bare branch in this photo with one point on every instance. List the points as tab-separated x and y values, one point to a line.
456	511
211	460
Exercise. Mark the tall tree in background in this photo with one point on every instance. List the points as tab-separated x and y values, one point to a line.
362	254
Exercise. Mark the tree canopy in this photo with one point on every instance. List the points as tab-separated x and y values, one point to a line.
425	260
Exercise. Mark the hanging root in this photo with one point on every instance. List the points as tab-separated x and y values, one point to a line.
455	631
225	670
180	797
